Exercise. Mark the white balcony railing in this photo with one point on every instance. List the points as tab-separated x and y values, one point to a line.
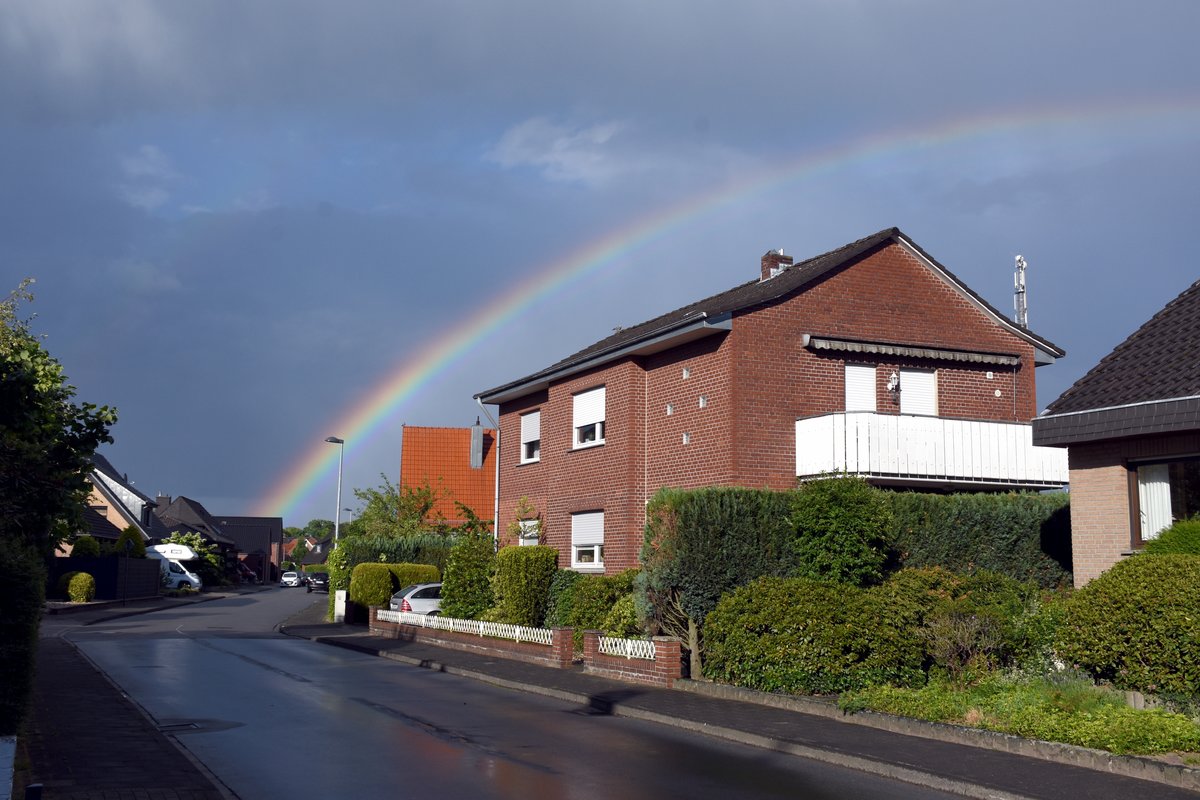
917	449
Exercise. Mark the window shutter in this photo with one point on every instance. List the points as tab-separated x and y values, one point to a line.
531	427
587	528
860	387
589	407
918	391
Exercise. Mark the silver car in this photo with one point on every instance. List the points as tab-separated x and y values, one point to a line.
420	598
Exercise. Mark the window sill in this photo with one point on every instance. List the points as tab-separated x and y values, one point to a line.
597	568
530	461
588	446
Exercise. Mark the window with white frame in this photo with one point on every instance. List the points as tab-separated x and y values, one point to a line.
531	436
588	418
587	540
1166	492
531	531
918	392
860	387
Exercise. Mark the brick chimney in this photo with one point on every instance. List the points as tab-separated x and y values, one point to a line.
774	262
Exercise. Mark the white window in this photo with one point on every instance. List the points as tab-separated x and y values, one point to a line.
531	530
1166	492
703	401
670	409
587	540
860	387
918	392
531	436
588	418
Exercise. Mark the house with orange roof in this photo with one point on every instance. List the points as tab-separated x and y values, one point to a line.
459	464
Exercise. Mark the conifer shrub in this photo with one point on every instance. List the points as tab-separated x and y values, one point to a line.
1182	537
373	584
1137	625
521	584
85	547
561	598
623	619
81	588
842	525
467	583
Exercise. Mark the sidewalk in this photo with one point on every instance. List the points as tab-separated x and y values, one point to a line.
88	741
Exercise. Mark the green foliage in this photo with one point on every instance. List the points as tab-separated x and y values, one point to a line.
521	583
841	530
467	583
132	537
811	637
703	543
623	619
561	598
317	528
63	585
594	597
390	510
1137	625
424	548
81	588
22	591
338	566
300	550
85	546
373	584
208	564
1025	536
46	439
1181	537
1060	709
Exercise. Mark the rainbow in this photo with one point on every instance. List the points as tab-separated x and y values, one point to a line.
441	352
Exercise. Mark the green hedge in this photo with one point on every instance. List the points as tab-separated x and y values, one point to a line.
521	584
22	591
467	582
1024	536
841	525
374	584
1181	537
85	546
561	598
81	588
416	549
1138	625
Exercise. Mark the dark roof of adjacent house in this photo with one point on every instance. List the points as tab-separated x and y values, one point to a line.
252	535
98	525
1150	383
715	312
102	464
192	514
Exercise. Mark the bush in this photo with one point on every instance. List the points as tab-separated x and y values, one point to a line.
137	545
22	591
594	598
811	637
63	584
1182	537
85	547
423	548
841	530
623	619
1137	625
561	598
373	584
521	584
467	584
81	588
1025	536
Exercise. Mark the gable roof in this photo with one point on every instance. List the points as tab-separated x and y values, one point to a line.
183	511
1149	383
715	314
252	534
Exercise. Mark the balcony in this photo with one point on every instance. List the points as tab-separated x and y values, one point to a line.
928	452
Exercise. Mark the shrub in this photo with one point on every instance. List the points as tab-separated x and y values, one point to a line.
62	586
81	588
137	545
85	547
467	584
22	591
804	636
1182	537
561	598
521	584
623	619
1137	625
373	584
841	530
420	548
594	598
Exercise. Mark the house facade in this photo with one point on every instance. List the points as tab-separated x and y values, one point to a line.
871	359
1131	426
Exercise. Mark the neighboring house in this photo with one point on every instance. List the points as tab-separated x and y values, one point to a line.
1132	428
872	359
259	542
459	464
114	505
184	515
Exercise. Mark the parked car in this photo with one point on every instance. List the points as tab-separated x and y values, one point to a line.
420	598
246	574
318	581
291	579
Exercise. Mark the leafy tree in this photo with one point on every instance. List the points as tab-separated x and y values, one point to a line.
300	550
317	528
130	538
209	564
85	547
391	510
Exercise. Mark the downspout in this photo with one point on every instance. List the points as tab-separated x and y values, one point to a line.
496	498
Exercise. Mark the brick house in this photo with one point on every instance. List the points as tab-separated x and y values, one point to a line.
459	464
1132	428
871	359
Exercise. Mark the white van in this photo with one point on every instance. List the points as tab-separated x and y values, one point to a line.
175	572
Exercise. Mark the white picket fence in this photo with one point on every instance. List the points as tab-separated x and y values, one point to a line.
627	648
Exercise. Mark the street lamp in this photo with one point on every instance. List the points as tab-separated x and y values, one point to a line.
337	517
349	511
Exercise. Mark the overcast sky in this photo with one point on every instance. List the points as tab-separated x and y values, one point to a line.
244	217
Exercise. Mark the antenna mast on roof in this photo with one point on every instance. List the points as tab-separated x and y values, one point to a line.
1019	305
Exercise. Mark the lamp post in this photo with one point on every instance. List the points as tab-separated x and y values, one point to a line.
337	517
349	511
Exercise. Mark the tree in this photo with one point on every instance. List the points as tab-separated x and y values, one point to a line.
317	529
208	564
300	550
46	446
391	510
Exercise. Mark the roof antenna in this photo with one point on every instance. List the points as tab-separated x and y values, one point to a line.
1019	304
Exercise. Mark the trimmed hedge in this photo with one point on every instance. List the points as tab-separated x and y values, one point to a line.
373	584
85	547
426	548
62	588
842	525
561	598
22	591
1181	537
81	588
1024	536
1137	625
521	584
467	582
